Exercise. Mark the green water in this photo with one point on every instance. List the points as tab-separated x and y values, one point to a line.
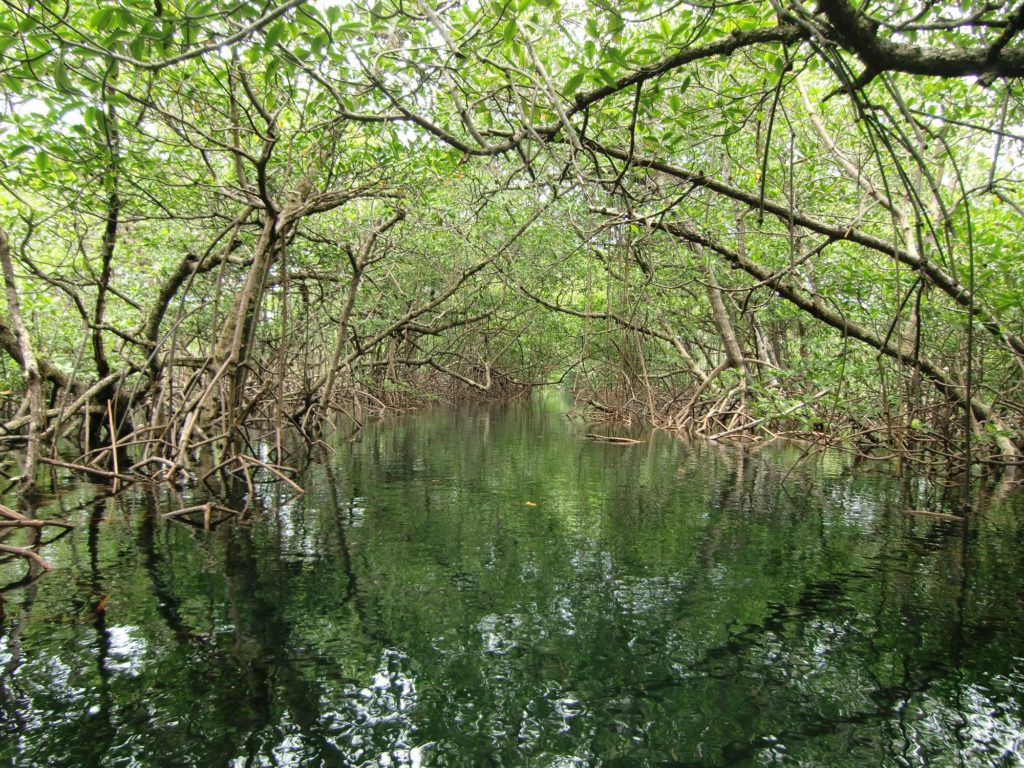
487	588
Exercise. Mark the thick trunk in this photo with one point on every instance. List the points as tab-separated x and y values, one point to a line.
231	349
726	331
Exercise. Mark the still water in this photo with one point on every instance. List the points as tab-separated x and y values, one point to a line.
487	588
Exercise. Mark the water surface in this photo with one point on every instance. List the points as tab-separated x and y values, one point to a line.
485	587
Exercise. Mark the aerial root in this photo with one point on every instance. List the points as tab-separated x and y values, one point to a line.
206	510
11	520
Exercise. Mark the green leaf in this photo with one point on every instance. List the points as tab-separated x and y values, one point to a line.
12	84
94	118
103	18
308	19
122	18
60	77
138	47
615	24
275	34
574	82
509	32
273	65
615	56
606	77
64	151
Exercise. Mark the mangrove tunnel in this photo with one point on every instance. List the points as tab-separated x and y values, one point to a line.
237	238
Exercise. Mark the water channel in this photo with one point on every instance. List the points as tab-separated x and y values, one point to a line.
485	587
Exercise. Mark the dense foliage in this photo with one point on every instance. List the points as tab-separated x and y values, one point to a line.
734	219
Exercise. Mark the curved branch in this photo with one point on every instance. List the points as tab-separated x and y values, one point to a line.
858	34
202	50
940	279
949	388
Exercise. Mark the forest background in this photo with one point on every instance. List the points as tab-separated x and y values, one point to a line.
225	223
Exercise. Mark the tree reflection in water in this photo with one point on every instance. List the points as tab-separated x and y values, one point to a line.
657	604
